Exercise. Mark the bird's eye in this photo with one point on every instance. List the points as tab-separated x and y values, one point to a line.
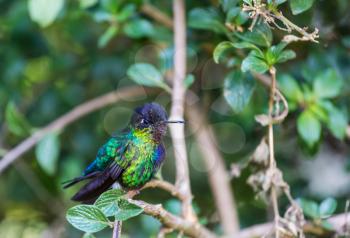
142	121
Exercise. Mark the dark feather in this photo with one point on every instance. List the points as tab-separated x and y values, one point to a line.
71	182
103	181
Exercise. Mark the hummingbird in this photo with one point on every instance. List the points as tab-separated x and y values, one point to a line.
131	157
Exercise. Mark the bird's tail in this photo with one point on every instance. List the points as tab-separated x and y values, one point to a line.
93	189
99	182
71	182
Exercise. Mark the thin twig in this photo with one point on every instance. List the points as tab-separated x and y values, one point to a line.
272	161
177	131
165	186
346	226
157	15
117	229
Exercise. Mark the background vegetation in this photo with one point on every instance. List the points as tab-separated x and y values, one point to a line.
56	55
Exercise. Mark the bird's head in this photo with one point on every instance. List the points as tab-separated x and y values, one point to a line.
151	116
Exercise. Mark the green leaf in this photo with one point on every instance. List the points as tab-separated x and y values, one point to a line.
238	89
139	28
44	12
147	75
107	36
277	2
206	19
285	56
111	6
47	152
220	50
327	84
108	201
15	121
127	210
126	12
327	207
261	35
290	88
309	207
337	120
275	54
309	128
255	64
228	4
236	16
87	3
247	45
88	218
299	6
189	80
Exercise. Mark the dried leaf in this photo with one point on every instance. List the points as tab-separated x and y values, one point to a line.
263	119
261	153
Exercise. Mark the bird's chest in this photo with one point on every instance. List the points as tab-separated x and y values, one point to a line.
140	168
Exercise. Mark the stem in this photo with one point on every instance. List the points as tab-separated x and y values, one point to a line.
271	149
117	229
177	110
271	103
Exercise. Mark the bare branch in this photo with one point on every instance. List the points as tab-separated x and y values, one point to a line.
177	110
157	15
272	161
218	178
189	228
165	186
70	117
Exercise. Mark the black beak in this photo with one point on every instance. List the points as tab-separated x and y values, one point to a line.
175	121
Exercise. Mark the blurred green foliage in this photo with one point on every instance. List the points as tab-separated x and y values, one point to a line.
58	54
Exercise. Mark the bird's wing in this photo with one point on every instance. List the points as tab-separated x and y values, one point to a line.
112	150
107	167
158	157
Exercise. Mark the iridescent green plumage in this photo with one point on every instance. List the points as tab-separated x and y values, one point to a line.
131	157
135	152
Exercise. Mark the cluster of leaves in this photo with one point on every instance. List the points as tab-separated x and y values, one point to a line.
148	75
319	212
94	218
118	16
262	56
315	100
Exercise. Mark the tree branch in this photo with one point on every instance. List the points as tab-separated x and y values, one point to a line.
165	186
63	121
218	178
338	222
157	15
177	110
189	228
